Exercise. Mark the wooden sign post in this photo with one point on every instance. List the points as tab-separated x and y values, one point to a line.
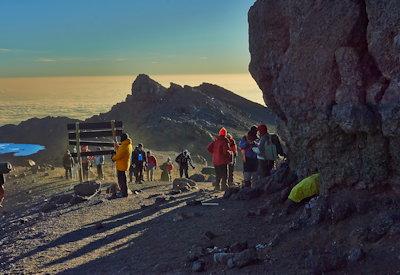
79	132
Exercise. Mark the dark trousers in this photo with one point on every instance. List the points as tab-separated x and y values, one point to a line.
122	183
100	171
231	169
85	171
68	172
184	170
264	168
138	172
221	175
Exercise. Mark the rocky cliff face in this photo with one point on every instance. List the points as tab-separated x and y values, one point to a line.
330	70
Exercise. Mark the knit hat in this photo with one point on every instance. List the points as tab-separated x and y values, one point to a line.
223	132
124	136
262	129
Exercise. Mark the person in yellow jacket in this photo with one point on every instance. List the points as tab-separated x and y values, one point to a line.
122	159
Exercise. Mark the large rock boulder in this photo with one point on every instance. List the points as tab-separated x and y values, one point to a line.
183	184
87	189
330	70
198	178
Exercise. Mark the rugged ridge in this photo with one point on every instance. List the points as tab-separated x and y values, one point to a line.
330	70
171	118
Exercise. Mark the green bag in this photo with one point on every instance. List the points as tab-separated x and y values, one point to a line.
271	152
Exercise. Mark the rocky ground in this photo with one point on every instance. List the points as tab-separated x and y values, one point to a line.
156	231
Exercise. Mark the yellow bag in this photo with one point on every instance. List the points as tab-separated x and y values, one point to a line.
306	188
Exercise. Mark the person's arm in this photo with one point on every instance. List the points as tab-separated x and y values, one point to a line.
210	147
190	162
119	155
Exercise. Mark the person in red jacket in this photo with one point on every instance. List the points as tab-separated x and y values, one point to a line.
221	157
231	166
150	166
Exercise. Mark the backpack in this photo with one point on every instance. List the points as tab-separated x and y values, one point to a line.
270	150
140	157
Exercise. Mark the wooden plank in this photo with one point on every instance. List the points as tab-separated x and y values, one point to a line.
94	153
94	134
93	143
94	125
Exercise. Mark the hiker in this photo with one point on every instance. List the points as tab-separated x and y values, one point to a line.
166	169
86	162
123	161
68	163
231	166
184	160
252	134
267	151
151	166
303	191
138	161
221	157
99	162
75	167
250	162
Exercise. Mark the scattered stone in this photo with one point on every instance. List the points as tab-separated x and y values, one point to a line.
183	184
77	200
62	199
238	247
99	226
355	254
247	193
160	200
340	210
179	217
198	266
193	202
208	171
48	207
230	191
87	189
210	235
243	258
175	192
23	220
136	192
195	253
222	258
198	178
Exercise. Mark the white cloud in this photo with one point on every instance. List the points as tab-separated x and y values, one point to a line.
203	57
46	60
120	59
4	50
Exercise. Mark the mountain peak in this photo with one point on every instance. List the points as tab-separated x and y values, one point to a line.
143	84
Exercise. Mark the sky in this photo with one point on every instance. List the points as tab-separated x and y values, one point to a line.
121	37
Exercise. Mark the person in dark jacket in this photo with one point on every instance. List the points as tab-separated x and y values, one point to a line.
231	166
139	159
221	157
184	160
68	163
266	161
250	162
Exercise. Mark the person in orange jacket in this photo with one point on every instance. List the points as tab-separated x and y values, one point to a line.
221	157
122	159
231	166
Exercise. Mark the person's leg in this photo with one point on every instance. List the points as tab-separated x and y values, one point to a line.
66	173
141	173
231	169
224	177
122	183
70	172
181	171
217	177
148	174
101	172
247	179
2	192
152	174
187	172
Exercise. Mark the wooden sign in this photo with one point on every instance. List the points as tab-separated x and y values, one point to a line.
94	130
